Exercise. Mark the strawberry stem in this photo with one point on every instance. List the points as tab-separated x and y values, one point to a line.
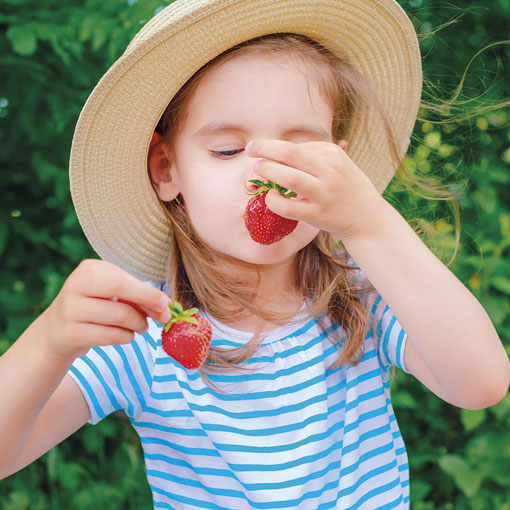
266	186
178	315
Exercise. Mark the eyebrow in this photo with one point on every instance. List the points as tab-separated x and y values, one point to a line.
215	128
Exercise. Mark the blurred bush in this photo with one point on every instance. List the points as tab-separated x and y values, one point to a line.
52	55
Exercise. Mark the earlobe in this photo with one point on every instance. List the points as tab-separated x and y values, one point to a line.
162	170
343	144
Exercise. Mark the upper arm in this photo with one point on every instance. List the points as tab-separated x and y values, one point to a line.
417	367
64	413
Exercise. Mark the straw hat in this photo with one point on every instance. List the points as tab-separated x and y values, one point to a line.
110	187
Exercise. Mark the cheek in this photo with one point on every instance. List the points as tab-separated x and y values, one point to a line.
212	206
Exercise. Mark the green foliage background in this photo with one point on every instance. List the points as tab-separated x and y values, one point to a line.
51	56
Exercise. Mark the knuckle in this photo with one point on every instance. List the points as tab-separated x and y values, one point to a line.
293	180
87	265
290	152
114	282
115	335
332	152
121	314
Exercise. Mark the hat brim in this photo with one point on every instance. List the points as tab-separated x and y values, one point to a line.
116	205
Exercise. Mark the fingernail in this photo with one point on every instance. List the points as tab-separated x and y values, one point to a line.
164	302
166	316
248	146
257	164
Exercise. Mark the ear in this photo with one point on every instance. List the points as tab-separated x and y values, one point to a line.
343	144
162	170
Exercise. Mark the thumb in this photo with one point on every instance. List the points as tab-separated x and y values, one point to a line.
280	204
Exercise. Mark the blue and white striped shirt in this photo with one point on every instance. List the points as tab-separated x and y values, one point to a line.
291	434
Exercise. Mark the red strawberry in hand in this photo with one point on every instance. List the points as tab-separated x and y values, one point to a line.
186	336
264	225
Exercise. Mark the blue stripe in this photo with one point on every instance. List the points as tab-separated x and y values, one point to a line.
380	411
400	354
207	452
244	396
170	430
262	413
227	447
197	470
297	349
195	503
142	362
132	379
187	482
173	395
387	339
254	376
363	437
376	492
111	396
366	476
277	355
113	370
153	342
86	386
172	413
366	456
363	377
308	459
364	396
254	504
283	429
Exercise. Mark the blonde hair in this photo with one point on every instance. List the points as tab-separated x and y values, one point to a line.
200	276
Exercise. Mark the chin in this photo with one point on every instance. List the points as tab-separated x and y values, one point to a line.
275	253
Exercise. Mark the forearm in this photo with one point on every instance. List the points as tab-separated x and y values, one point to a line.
449	329
29	375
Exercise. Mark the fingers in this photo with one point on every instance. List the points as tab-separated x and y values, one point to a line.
303	184
100	279
291	208
107	312
100	335
308	157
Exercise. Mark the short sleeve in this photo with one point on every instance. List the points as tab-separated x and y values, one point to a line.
117	377
388	333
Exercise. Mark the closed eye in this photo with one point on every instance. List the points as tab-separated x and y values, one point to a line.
226	154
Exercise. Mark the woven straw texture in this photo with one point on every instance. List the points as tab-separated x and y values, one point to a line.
114	200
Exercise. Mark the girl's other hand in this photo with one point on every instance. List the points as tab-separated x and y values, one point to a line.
100	304
333	194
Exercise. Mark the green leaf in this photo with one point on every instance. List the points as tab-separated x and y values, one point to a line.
502	409
502	283
23	40
404	400
472	419
500	472
419	490
465	478
53	461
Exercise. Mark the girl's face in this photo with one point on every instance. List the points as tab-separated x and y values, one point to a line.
252	96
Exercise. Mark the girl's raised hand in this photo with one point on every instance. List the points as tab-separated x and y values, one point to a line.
99	304
333	194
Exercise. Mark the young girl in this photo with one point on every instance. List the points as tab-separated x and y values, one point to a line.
292	407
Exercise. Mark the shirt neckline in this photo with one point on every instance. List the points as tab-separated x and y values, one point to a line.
268	336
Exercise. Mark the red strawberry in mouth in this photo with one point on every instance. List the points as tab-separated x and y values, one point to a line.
264	225
186	336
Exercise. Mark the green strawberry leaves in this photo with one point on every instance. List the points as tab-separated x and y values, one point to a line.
266	186
179	314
